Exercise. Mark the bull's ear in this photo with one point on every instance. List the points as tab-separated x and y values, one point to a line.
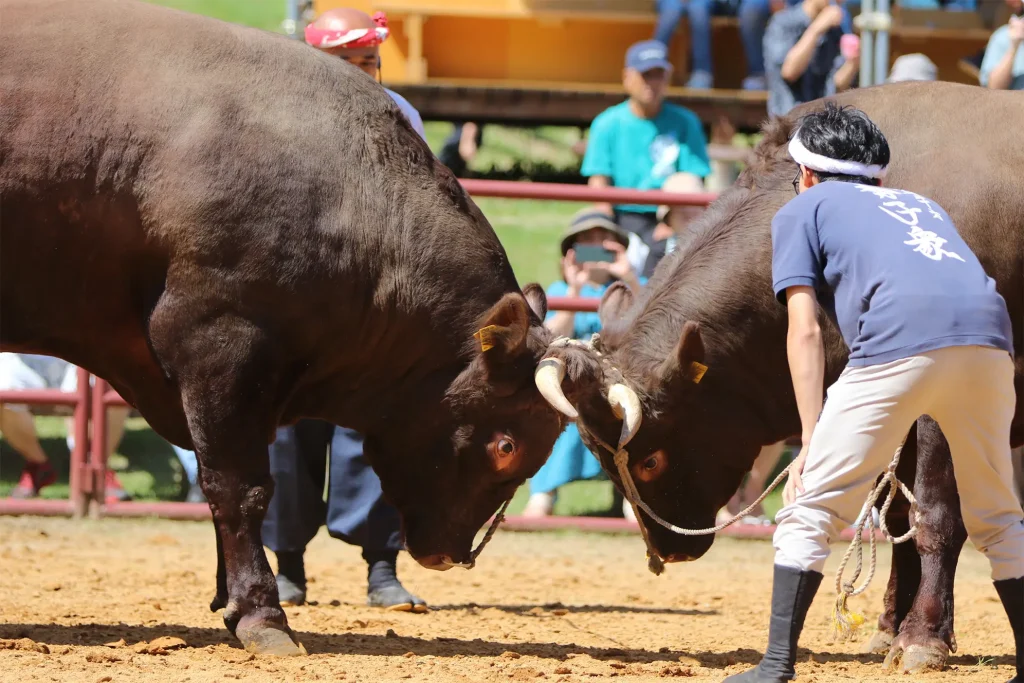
537	299
615	302
686	364
504	328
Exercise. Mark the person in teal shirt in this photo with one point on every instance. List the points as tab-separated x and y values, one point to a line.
1002	68
641	142
570	460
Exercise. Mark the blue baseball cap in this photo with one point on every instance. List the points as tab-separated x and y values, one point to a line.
647	55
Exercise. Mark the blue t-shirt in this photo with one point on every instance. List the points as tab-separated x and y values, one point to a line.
998	45
639	154
890	269
585	323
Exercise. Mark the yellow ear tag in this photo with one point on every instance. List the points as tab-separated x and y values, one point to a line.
483	335
697	371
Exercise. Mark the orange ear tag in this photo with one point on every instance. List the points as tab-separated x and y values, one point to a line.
697	371
484	336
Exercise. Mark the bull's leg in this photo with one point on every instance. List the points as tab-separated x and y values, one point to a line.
220	600
227	374
926	634
905	573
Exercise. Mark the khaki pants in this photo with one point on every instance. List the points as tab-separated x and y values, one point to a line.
968	391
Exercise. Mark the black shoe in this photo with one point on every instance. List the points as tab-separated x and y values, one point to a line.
385	590
291	578
792	593
1011	593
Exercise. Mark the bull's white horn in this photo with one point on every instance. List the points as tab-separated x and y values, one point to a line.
548	379
626	405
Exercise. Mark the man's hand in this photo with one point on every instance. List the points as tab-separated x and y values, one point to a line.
576	274
794	482
621	267
1016	29
828	18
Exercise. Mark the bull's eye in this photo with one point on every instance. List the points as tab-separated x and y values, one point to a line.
651	467
504	452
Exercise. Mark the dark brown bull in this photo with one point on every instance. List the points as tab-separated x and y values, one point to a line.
712	303
237	231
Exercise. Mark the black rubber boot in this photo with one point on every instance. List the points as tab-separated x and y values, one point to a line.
383	587
1011	593
291	578
792	593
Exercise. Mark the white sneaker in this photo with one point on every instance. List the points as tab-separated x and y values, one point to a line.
539	505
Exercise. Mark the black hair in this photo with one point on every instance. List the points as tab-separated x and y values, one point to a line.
846	134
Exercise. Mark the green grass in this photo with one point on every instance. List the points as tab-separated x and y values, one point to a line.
264	14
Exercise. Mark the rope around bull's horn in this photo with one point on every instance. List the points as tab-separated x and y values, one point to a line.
844	622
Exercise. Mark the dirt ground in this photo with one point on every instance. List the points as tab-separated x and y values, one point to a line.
546	606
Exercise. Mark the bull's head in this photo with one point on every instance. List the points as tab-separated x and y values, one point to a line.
684	461
452	467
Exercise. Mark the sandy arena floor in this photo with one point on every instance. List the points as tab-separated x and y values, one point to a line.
81	601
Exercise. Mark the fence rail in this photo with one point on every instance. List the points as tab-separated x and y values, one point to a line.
91	399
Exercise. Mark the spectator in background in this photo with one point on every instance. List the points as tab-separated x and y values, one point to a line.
913	67
21	371
673	221
459	148
1003	65
753	16
639	143
570	460
803	57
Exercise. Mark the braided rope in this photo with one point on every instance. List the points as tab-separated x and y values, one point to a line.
498	519
845	622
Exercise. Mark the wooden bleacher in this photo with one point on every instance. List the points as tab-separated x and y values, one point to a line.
560	61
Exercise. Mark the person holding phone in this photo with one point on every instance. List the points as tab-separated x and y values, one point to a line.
595	253
806	55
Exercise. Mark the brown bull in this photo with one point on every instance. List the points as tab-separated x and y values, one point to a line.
237	230
712	303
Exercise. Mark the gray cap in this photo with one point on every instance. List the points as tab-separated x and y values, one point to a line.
915	67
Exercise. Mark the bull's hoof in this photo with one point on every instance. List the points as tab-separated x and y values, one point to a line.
269	639
879	644
917	658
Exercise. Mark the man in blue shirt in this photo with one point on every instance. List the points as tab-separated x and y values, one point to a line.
928	335
1002	68
639	143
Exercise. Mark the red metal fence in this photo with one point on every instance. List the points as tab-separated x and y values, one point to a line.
90	403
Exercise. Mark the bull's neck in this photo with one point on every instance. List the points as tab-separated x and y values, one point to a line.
743	329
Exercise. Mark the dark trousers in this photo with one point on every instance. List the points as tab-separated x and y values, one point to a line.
355	510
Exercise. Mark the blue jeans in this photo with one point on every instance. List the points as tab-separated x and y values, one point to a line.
355	510
753	16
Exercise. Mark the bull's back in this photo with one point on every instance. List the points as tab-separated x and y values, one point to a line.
961	146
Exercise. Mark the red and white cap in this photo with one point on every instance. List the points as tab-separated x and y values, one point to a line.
332	30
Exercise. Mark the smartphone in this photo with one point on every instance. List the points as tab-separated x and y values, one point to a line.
593	252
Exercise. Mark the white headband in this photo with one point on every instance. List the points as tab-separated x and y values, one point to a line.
817	162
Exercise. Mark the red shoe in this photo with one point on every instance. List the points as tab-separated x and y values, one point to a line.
34	477
115	492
